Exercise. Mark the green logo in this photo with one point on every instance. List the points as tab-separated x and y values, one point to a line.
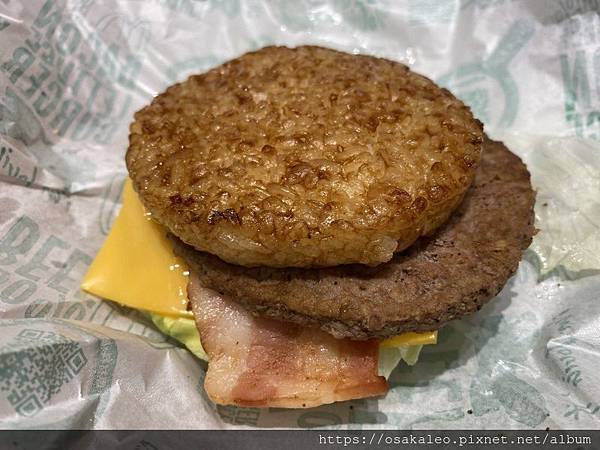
35	365
44	362
481	84
579	62
590	410
19	122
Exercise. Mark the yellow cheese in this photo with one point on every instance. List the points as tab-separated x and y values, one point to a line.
136	265
137	268
424	338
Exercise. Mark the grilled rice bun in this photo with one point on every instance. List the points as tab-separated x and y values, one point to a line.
303	157
447	276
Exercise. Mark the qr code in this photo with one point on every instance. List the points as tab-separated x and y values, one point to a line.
35	365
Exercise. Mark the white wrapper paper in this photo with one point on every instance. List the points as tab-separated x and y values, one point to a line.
73	72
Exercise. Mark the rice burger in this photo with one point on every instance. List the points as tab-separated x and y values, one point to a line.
322	215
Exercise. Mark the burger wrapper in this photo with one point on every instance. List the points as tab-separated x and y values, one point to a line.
71	76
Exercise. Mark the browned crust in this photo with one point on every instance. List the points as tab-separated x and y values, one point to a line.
303	157
437	280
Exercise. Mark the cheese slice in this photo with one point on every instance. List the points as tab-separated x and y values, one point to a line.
136	267
423	338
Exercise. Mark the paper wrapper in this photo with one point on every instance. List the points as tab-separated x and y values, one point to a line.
71	76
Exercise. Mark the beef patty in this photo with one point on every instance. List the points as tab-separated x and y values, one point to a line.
451	274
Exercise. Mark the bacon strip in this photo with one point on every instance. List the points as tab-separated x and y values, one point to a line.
266	363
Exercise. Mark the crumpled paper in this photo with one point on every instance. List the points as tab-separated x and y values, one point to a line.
72	74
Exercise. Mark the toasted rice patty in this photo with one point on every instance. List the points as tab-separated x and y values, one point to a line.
303	157
438	279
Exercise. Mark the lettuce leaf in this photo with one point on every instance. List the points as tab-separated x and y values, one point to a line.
183	330
564	172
